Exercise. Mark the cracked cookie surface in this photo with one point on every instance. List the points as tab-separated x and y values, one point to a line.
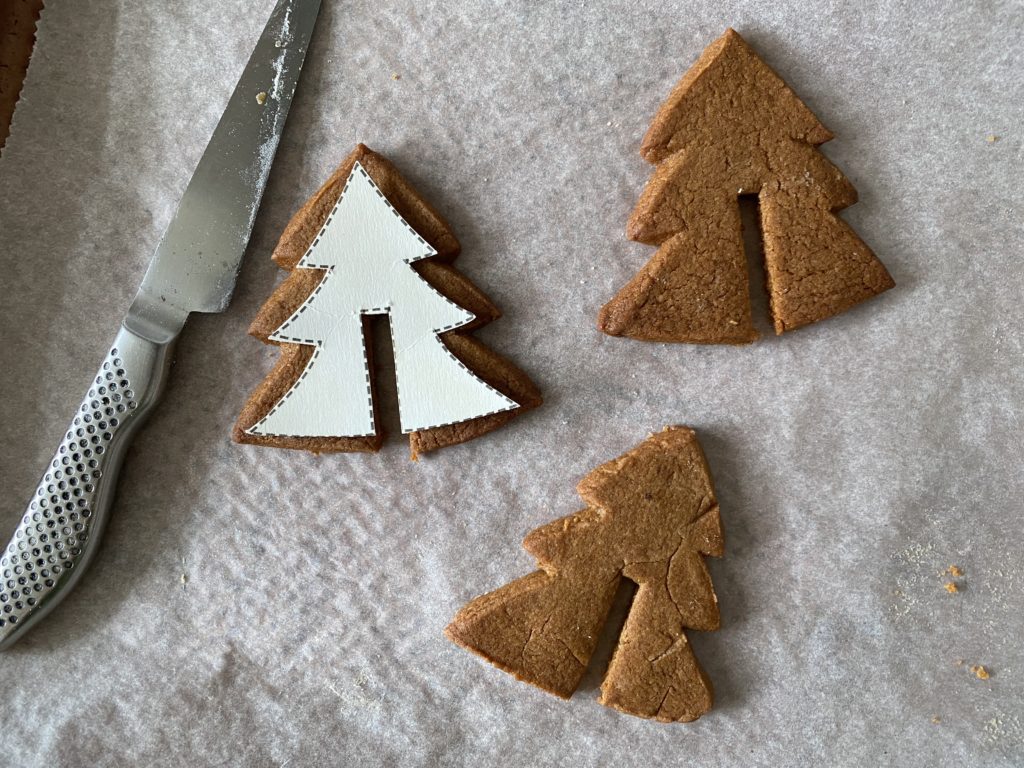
651	517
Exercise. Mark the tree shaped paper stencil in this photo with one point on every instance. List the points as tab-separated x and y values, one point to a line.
361	262
651	516
732	127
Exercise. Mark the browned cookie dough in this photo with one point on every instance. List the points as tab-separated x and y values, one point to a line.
437	270
651	515
732	127
17	37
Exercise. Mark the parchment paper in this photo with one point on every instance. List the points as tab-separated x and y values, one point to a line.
267	608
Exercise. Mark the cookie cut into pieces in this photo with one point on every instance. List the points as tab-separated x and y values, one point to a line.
368	244
651	517
731	128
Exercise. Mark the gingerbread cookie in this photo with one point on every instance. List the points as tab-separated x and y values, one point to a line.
651	516
367	244
732	127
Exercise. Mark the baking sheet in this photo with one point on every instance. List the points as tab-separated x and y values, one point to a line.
269	608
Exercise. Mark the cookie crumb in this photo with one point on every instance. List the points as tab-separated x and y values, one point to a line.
980	672
955	571
992	138
261	98
395	76
951	587
936	719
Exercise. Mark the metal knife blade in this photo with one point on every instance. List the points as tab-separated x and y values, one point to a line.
196	264
193	270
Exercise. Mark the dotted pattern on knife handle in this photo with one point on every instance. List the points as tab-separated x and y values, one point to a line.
50	536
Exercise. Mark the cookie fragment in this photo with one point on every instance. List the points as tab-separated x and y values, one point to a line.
17	39
732	127
651	517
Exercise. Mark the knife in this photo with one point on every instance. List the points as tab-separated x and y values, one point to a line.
193	270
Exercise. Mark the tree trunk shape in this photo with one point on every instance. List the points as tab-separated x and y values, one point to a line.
652	516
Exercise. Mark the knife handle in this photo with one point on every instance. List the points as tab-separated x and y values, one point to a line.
60	531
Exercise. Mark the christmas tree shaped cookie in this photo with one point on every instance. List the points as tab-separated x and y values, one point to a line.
368	244
732	127
651	517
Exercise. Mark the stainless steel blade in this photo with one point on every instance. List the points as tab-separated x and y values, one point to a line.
196	264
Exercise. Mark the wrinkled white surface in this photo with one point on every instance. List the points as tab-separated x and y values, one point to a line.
257	607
